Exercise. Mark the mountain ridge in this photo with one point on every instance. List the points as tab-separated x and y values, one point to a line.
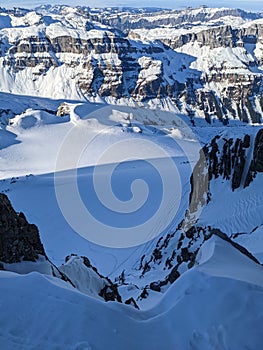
211	71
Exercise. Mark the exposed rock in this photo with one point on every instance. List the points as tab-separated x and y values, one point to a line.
110	293
257	161
225	158
63	109
155	286
19	240
130	19
258	152
86	278
173	275
110	63
131	301
256	164
199	182
144	294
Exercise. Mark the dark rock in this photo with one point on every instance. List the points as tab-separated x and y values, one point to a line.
256	164
246	142
110	293
155	286
144	294
157	255
258	152
131	301
191	232
185	254
19	240
174	274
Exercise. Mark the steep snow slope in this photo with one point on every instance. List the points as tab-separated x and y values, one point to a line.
200	311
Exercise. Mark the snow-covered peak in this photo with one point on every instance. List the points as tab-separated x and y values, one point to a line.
68	21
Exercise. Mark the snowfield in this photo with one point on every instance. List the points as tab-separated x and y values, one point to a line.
29	159
192	313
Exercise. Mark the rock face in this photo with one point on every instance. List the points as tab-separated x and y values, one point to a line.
19	240
227	158
256	165
63	109
233	161
128	18
258	152
108	53
236	160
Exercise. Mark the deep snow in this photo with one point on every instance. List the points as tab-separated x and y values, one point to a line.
199	311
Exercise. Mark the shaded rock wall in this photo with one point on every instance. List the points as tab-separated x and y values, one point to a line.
19	240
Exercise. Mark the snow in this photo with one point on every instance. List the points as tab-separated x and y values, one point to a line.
84	279
252	241
33	24
5	21
130	162
170	32
67	68
216	254
232	60
24	267
150	70
33	149
199	311
243	210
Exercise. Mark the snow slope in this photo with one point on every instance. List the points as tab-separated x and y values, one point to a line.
29	155
200	311
107	181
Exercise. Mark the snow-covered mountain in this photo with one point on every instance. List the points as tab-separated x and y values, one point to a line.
131	142
207	62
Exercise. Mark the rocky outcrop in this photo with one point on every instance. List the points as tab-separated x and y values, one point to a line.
199	181
181	250
63	109
104	61
19	240
86	278
225	158
20	243
214	37
256	165
235	160
258	152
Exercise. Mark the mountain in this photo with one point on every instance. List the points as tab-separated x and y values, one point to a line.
207	62
131	144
